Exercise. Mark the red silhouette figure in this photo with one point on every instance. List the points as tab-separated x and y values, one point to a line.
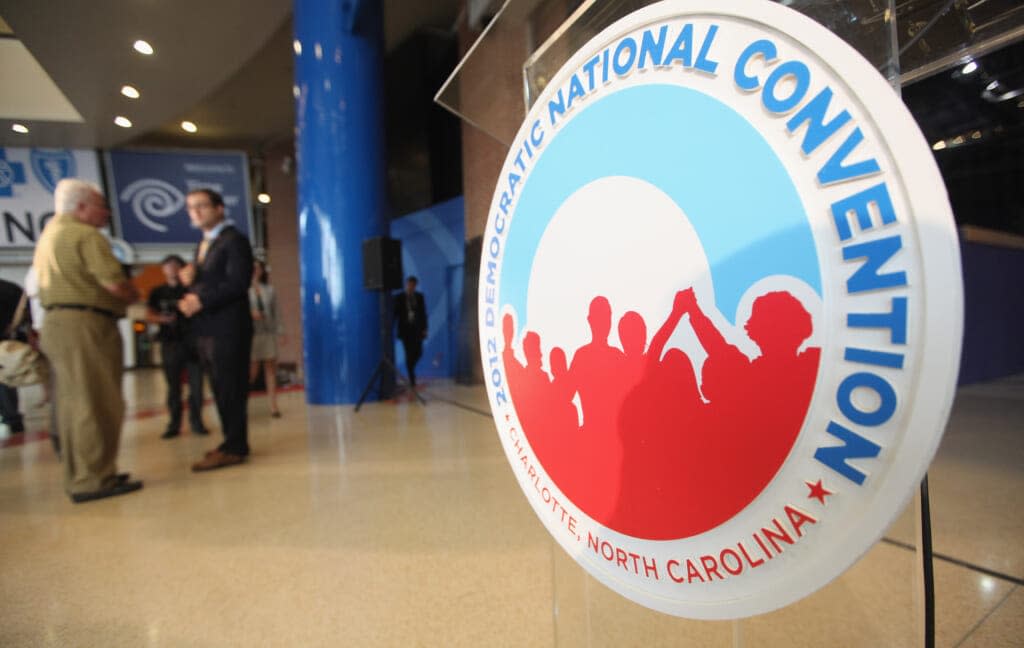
652	458
755	407
654	423
633	337
564	416
532	387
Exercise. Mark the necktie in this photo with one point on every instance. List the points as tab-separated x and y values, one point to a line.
204	245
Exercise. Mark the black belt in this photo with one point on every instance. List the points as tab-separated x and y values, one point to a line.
82	307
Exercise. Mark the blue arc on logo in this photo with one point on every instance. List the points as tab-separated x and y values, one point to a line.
702	154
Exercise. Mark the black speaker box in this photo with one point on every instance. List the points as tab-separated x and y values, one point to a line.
382	263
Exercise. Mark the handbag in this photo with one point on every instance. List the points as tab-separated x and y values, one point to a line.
20	363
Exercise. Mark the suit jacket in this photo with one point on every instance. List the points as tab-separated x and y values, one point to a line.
222	285
415	328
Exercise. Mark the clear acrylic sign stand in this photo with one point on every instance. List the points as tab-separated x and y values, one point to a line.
493	87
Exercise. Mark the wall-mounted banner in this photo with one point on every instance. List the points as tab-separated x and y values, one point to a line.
27	180
720	307
148	189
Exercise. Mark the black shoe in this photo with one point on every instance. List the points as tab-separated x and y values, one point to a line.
200	431
169	434
119	488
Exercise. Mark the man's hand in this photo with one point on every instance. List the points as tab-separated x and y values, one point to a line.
190	304
256	315
187	274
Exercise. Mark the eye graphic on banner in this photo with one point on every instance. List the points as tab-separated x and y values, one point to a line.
150	199
52	165
720	307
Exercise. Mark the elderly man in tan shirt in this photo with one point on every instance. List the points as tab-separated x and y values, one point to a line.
84	291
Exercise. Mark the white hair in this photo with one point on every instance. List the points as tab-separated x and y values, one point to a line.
70	192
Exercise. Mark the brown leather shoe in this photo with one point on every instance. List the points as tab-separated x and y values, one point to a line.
217	459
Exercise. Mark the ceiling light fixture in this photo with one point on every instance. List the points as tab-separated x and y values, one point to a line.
264	198
189	127
938	146
142	47
969	68
976	135
19	128
297	46
123	122
130	92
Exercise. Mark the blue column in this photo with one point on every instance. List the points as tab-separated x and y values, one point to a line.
340	152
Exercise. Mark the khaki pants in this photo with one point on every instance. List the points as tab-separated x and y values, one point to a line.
85	351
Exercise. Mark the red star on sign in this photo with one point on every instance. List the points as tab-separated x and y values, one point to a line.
818	491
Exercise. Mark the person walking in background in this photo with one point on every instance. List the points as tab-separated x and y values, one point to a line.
266	328
177	349
10	412
84	290
218	303
411	317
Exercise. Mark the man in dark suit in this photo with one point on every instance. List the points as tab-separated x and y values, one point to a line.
218	303
411	317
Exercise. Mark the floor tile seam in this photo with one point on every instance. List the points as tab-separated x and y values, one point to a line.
985	618
959	562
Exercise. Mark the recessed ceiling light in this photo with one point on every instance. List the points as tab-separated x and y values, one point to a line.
938	146
264	198
976	135
123	122
19	128
130	92
142	47
992	86
188	127
297	46
969	68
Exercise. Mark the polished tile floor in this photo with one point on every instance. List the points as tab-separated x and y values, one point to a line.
402	525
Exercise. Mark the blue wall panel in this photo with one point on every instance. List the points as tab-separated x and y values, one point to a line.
994	312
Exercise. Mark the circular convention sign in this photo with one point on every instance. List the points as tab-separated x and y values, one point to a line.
720	307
